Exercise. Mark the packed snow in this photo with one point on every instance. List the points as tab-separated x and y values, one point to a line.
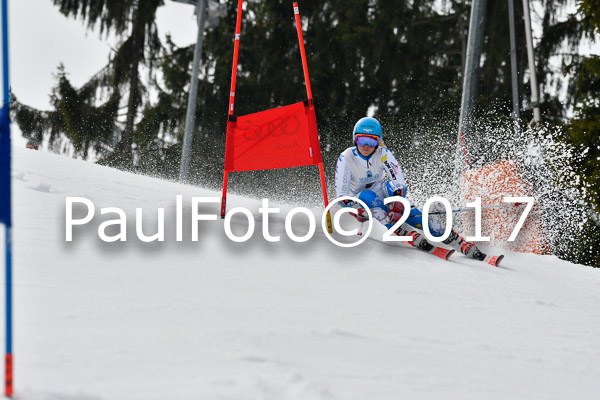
216	319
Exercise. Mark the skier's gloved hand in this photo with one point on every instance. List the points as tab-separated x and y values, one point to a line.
361	215
400	192
395	213
347	203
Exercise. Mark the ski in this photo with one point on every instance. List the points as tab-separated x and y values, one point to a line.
493	260
441	252
470	250
420	243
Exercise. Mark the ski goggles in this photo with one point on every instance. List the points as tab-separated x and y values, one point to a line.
367	140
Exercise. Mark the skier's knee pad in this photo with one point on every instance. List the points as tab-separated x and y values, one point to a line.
435	232
415	219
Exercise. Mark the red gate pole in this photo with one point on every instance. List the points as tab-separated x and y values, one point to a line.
311	104
302	52
236	48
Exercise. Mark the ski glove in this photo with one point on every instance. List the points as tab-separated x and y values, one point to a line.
395	213
400	192
347	203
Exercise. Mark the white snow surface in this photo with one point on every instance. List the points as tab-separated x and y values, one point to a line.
215	319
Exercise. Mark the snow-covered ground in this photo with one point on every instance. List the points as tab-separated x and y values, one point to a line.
215	319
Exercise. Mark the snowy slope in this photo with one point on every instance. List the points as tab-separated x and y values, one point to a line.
215	319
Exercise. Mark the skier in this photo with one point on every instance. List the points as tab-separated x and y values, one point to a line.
369	171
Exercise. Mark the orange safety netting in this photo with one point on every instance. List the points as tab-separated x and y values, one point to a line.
492	183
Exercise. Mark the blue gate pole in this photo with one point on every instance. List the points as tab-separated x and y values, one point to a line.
5	204
8	371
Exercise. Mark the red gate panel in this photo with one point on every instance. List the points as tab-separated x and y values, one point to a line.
278	138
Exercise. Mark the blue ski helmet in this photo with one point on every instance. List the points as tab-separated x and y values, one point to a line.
368	126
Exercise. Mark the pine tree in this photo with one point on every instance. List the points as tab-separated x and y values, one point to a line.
584	130
77	121
133	21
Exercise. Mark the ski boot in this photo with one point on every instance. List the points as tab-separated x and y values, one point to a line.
419	241
467	248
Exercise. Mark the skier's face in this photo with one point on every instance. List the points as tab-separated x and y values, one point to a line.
366	144
365	150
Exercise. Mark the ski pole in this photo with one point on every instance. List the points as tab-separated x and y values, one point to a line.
360	229
471	209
